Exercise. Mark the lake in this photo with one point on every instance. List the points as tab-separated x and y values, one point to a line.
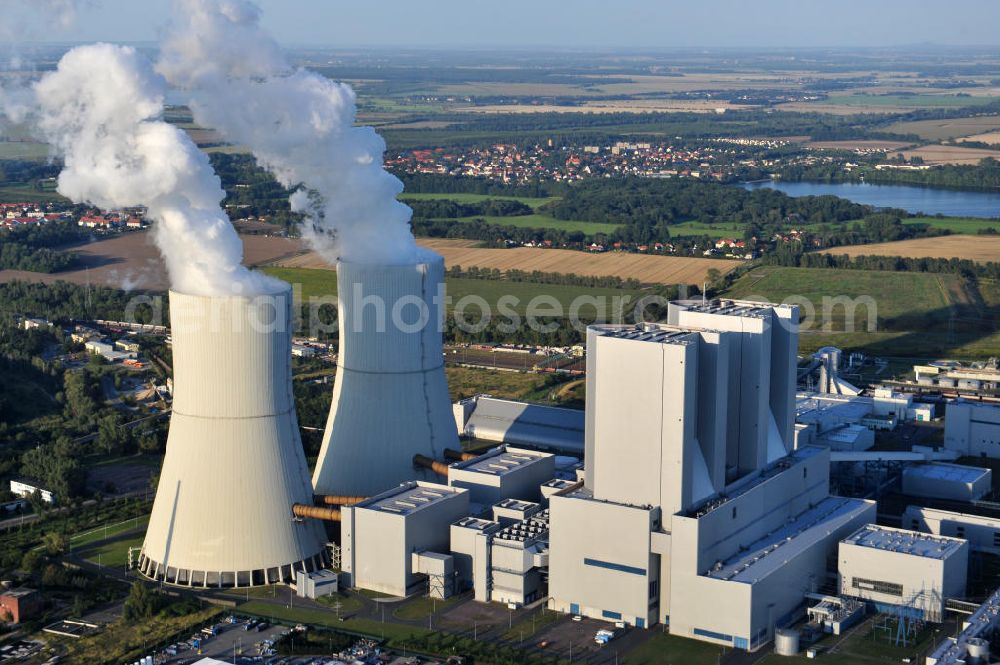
949	202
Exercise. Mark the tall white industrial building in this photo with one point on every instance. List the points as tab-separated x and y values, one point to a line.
390	397
694	510
234	463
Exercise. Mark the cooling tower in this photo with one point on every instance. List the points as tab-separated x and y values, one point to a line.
390	398
234	463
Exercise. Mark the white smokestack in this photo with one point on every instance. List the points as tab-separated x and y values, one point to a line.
300	126
101	111
234	463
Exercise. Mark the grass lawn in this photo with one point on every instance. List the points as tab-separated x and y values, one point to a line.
461	197
717	230
912	311
319	283
666	649
289	614
468	381
100	533
965	225
112	555
422	607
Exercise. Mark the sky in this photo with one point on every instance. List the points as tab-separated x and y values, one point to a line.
575	24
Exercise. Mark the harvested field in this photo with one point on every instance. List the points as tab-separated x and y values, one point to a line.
857	145
634	106
949	154
947	128
993	138
647	269
132	261
974	248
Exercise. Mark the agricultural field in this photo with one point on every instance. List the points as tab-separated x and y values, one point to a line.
975	248
967	225
28	194
131	261
992	138
950	154
323	282
914	314
948	128
538	221
642	267
461	197
717	230
899	101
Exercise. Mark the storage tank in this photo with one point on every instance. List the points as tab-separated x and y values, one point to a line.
786	642
234	464
979	650
390	397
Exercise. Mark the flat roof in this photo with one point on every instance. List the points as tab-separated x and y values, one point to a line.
911	543
526	531
501	461
409	497
475	523
744	485
951	472
647	332
812	407
515	504
727	307
772	551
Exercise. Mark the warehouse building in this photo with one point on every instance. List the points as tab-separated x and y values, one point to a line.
983	533
972	428
386	541
940	480
520	423
892	568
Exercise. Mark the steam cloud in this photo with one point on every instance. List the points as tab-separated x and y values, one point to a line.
101	110
299	125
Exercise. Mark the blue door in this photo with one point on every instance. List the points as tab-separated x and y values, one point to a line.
574	608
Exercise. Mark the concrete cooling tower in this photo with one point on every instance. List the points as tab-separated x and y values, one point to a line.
234	463
390	398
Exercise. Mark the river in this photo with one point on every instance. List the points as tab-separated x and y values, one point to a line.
948	202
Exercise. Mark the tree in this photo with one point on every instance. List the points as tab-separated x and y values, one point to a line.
111	436
55	543
140	605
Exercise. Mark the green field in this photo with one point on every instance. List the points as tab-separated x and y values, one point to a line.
968	225
907	101
101	533
460	197
916	314
666	649
717	230
538	221
27	194
315	282
112	555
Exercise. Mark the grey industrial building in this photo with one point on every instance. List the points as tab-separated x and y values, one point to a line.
972	428
895	567
983	533
520	423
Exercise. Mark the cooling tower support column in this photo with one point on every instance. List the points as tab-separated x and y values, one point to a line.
234	464
390	398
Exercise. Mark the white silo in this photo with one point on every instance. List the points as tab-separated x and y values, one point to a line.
234	463
390	398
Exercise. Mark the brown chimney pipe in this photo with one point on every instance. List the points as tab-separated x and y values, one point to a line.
458	455
316	512
338	500
437	467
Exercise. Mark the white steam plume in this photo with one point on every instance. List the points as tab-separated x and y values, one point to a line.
299	125
101	111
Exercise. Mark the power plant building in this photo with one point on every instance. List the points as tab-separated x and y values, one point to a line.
390	397
234	463
940	480
520	423
972	428
898	568
695	510
983	533
388	542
